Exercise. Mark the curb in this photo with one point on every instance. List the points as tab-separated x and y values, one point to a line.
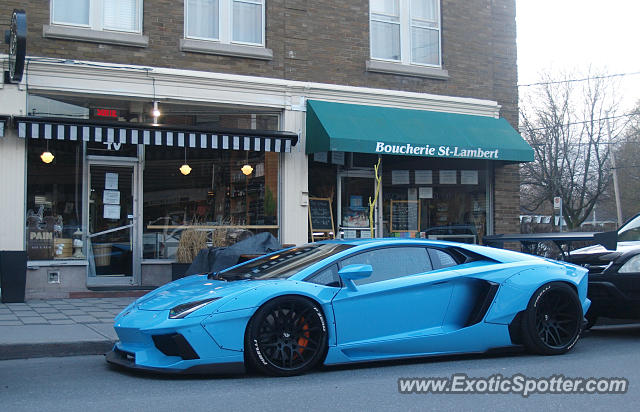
42	350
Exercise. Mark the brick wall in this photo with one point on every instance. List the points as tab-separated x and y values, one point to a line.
327	41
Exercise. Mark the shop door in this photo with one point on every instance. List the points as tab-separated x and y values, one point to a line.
355	187
112	248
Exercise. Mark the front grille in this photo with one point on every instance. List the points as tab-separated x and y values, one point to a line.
174	344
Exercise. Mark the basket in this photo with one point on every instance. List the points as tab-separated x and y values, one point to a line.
102	254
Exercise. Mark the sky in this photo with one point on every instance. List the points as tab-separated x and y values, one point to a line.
571	35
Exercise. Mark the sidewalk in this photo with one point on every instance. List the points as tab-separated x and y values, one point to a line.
60	327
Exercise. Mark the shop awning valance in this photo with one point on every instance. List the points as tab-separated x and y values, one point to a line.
3	124
386	130
161	135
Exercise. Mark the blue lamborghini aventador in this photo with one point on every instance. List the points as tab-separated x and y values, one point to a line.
338	302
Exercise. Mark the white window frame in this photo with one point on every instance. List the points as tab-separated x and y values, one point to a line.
96	17
406	56
225	23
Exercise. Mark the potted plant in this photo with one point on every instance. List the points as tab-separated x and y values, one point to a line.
191	242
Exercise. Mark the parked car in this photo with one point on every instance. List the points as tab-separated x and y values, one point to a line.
336	302
614	275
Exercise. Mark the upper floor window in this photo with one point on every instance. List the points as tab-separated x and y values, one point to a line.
406	31
115	15
226	21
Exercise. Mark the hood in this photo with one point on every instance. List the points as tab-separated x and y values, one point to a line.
191	289
623	247
598	252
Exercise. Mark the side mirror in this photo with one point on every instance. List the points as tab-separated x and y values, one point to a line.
353	272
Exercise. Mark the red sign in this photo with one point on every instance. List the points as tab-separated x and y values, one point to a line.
106	112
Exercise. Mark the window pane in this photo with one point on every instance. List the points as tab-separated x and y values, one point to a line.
202	19
441	259
71	11
385	7
247	22
328	277
424	10
425	46
385	41
390	263
54	199
121	15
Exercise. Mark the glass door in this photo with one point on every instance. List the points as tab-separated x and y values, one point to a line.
355	187
111	242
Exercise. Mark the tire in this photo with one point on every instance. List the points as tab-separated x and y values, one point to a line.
286	336
552	322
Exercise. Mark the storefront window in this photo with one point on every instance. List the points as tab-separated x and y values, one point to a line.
434	199
421	198
54	206
220	197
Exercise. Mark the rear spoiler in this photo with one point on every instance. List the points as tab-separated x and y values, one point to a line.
607	239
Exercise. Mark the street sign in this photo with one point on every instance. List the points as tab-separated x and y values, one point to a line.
557	203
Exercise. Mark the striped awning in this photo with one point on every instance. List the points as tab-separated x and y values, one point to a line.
3	124
148	134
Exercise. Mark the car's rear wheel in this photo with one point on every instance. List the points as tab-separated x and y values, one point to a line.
552	323
286	336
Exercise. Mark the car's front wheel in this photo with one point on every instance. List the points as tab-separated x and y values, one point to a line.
286	336
552	323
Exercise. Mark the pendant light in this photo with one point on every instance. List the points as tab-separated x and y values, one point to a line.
185	169
47	156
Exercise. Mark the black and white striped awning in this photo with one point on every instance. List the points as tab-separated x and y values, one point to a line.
4	120
161	135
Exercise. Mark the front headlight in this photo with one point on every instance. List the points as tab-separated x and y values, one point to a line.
183	310
631	266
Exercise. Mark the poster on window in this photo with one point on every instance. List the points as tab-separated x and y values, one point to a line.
424	177
111	197
112	212
425	192
320	157
448	177
337	158
111	181
469	177
399	177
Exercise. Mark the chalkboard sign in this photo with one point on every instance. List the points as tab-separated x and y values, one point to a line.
320	215
405	216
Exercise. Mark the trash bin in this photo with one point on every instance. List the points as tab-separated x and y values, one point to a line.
13	275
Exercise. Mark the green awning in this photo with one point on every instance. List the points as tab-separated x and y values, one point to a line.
385	130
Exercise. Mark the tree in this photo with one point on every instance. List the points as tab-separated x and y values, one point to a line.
567	124
627	154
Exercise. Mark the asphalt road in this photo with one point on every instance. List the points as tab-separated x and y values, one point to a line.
86	383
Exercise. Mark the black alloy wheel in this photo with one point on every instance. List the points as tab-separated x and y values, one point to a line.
553	320
286	336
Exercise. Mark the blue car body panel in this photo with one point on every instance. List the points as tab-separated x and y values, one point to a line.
416	315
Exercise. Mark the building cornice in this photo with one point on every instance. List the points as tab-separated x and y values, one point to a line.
60	76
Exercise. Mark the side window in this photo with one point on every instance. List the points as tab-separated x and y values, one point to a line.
327	277
441	259
390	263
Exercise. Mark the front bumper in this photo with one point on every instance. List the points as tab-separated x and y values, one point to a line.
150	341
124	359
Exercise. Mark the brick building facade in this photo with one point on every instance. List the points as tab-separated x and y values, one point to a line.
317	50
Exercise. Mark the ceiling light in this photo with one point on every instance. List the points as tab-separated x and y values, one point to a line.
155	112
247	169
47	157
185	169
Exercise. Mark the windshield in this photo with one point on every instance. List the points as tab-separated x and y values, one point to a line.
284	264
630	231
